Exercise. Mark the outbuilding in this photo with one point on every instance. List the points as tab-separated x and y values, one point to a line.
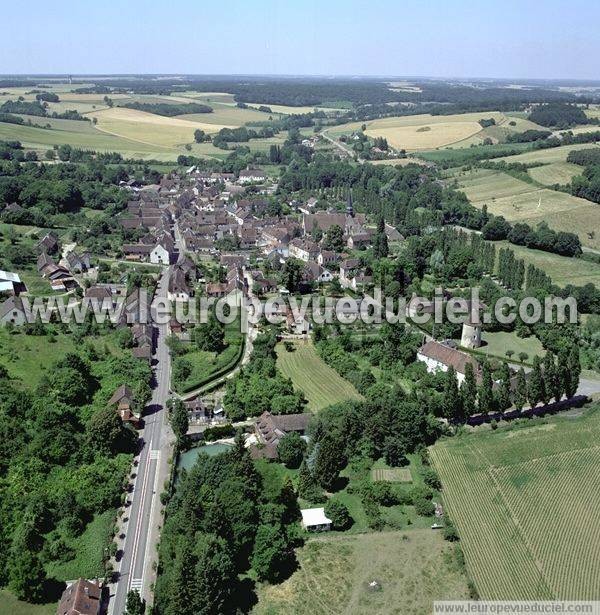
314	520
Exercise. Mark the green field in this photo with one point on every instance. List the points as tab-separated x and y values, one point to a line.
29	357
83	135
547	156
555	173
321	384
520	499
562	269
498	342
9	605
522	201
205	364
413	568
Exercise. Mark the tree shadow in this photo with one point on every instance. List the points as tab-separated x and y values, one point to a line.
243	596
53	589
340	483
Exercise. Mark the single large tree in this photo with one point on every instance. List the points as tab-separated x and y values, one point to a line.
334	238
338	513
521	390
504	395
291	449
452	400
574	371
135	605
328	462
552	386
485	396
535	386
178	418
468	391
273	556
210	336
215	575
308	488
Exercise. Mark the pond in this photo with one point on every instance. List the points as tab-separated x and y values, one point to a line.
188	459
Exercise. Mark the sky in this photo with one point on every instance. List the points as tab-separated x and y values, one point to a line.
436	38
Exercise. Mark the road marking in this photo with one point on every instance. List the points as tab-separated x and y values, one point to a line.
138	527
137	584
154	454
149	534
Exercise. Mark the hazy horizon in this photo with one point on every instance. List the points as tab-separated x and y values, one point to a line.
448	40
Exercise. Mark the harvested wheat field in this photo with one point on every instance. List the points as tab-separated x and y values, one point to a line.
149	127
421	132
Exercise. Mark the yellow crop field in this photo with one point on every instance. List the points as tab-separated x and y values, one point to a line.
150	128
425	137
520	500
421	132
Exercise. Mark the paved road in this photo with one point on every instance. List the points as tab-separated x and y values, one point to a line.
344	148
135	571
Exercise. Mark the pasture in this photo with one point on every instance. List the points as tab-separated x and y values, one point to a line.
520	499
321	384
521	201
413	569
29	357
496	343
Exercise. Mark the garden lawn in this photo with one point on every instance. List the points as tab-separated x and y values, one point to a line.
321	384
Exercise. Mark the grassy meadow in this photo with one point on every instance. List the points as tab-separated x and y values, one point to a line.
28	357
520	499
89	548
562	269
9	605
413	568
547	156
496	343
321	384
554	173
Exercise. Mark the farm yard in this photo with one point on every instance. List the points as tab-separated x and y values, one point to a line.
521	201
321	384
520	501
412	568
